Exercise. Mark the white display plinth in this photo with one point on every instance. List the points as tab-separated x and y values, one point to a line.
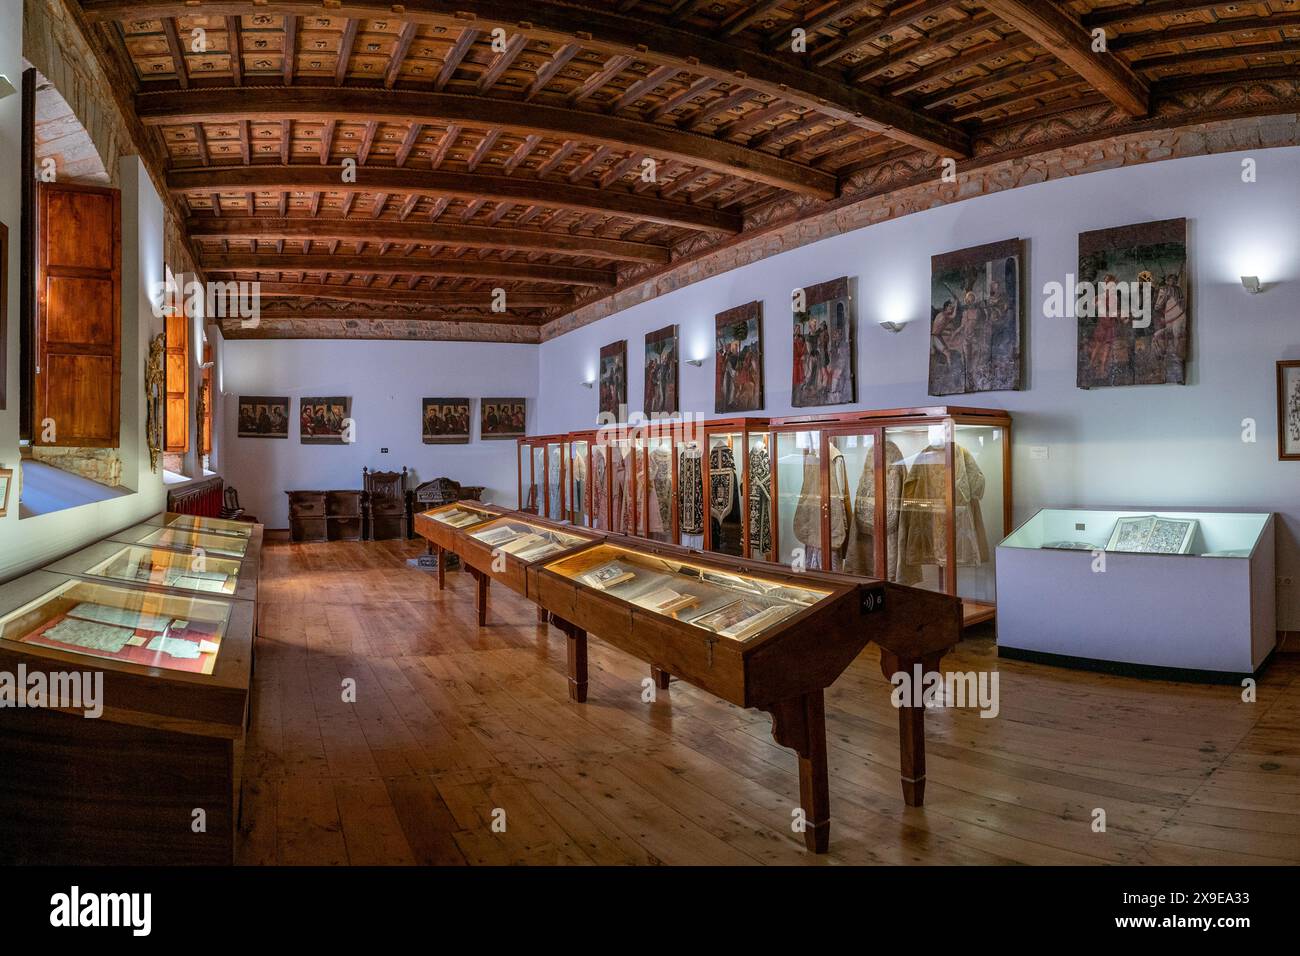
1206	615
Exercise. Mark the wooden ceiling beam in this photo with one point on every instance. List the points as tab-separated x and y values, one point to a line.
1058	32
346	43
514	46
323	263
400	50
234	40
290	46
427	233
451	185
454	57
612	33
1146	11
175	51
323	290
895	19
374	105
551	68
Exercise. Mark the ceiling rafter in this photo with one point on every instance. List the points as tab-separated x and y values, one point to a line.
1058	32
319	290
542	192
409	265
655	41
372	106
251	228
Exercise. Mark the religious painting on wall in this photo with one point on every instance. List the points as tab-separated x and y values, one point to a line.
661	372
976	311
324	421
445	421
262	416
738	359
1132	305
823	345
503	418
613	378
1288	410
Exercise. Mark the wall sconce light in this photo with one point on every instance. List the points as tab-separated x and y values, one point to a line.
889	326
590	384
6	88
696	362
1252	284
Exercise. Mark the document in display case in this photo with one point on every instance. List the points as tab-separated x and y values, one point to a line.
166	674
240	529
1182	594
438	527
755	634
121	624
180	539
160	568
502	550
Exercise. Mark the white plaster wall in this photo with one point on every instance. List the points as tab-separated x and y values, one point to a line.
1146	446
386	381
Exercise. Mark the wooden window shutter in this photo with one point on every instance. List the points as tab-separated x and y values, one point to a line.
78	375
177	369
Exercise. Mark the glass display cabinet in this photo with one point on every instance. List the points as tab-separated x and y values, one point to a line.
166	674
1177	594
438	527
160	568
918	496
180	539
654	445
241	529
741	507
503	548
753	633
127	625
578	471
616	504
542	463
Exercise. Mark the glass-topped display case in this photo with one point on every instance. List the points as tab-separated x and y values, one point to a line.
732	605
128	625
170	519
1176	594
741	508
161	568
179	539
919	496
526	541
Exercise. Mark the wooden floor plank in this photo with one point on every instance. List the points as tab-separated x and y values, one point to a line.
453	725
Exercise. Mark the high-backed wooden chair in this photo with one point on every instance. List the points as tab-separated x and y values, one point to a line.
385	493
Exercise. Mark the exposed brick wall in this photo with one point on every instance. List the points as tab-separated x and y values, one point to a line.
103	465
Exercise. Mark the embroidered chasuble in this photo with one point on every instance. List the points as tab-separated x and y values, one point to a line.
861	557
690	487
922	537
760	501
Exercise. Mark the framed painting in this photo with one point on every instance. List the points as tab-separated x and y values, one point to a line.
976	314
503	418
661	364
444	421
823	368
6	479
613	379
324	421
1131	302
738	359
1288	410
263	416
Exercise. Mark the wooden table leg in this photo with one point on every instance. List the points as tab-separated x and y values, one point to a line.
442	566
543	616
800	724
911	726
576	638
661	677
483	582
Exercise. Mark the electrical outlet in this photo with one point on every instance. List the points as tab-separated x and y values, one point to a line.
383	451
1038	453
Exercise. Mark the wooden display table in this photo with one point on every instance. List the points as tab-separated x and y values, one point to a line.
755	634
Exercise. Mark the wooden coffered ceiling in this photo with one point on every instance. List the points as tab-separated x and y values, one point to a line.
398	163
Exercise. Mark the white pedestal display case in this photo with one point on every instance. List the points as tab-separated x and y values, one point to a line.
1183	594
